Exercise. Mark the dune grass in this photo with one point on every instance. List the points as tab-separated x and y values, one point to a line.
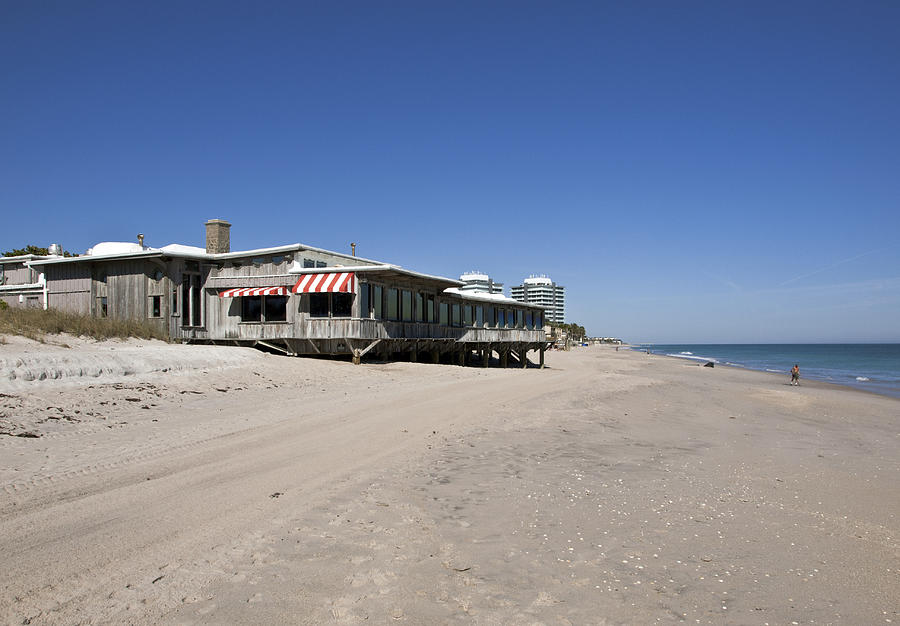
36	324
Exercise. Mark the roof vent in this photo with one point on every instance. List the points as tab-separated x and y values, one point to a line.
55	249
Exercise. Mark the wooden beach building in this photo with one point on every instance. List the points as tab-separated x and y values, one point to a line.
294	299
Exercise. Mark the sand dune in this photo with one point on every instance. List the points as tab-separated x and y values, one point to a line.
612	487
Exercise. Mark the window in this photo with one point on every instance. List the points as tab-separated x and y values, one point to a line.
445	314
321	264
392	309
174	300
467	315
251	308
378	301
520	318
455	318
309	263
155	306
501	318
275	308
529	321
196	310
341	304
185	299
429	309
488	317
406	305
277	260
539	320
104	307
318	305
420	307
364	300
479	316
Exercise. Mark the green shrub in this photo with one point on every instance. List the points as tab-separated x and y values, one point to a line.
36	323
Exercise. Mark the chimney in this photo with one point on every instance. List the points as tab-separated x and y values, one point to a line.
141	239
353	249
218	238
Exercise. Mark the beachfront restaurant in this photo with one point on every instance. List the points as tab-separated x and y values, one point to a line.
376	310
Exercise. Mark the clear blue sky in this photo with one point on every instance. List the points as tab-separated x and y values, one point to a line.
690	171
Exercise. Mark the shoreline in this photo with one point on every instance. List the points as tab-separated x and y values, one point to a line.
888	393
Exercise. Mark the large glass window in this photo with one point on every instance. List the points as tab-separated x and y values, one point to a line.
445	314
318	305
196	311
251	308
393	312
467	315
420	307
341	304
275	308
479	316
406	305
364	300
489	317
538	320
429	309
455	314
501	318
377	301
529	321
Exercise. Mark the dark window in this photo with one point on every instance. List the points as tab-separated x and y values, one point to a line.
445	314
489	317
539	320
309	263
429	309
185	299
406	306
456	317
364	306
251	308
318	305
467	315
104	307
192	266
529	321
155	306
501	318
479	316
392	308
277	260
321	264
174	300
195	301
378	301
420	307
276	308
341	304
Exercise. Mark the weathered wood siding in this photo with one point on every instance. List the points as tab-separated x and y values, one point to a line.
69	287
17	274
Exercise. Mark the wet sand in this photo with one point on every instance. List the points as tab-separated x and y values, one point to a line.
611	487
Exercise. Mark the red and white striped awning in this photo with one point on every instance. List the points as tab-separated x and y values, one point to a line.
254	291
335	282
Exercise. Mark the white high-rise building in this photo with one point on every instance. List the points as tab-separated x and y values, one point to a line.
480	283
543	291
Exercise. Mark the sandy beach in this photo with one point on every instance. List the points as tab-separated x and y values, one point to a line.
145	483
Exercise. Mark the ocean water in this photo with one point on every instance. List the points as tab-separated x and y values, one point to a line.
871	366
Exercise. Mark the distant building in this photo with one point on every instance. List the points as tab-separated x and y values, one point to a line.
479	283
544	292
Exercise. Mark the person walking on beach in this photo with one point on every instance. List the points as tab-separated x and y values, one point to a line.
795	375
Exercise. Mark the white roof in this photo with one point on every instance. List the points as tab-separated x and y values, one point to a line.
468	276
538	280
497	298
